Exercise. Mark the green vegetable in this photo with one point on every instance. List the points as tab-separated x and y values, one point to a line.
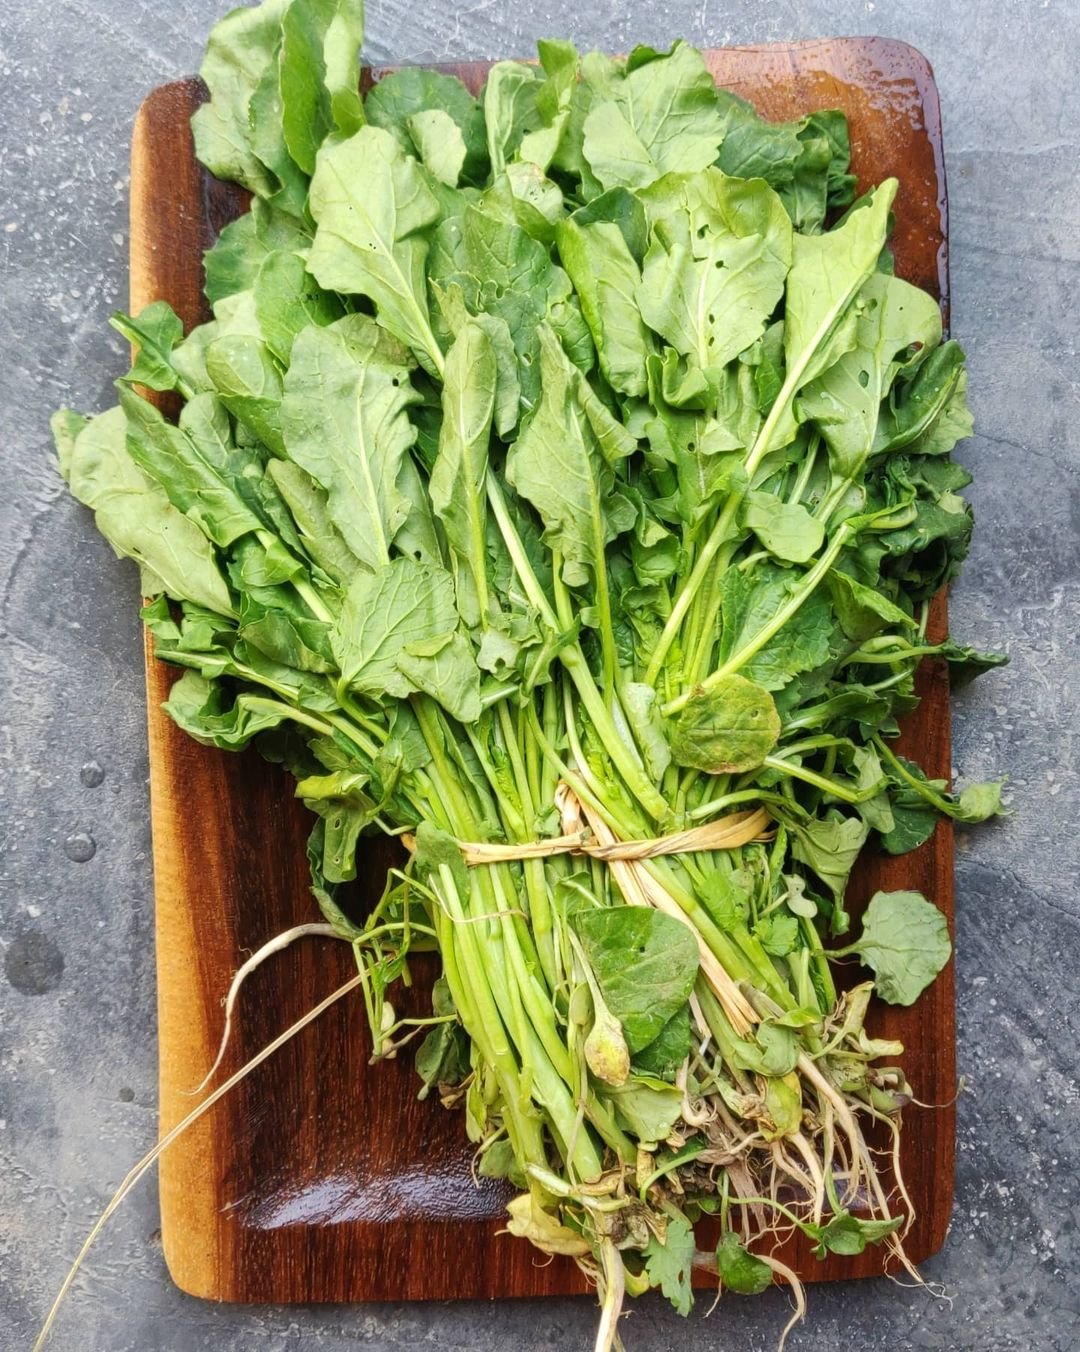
905	940
559	463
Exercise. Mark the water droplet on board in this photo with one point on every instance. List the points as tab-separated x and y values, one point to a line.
80	847
91	775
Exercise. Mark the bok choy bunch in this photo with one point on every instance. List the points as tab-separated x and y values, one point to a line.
561	483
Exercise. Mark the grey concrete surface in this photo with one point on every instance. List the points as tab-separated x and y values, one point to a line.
77	1036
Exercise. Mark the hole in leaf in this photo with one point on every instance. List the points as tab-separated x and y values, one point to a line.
864	378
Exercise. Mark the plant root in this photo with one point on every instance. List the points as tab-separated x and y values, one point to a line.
276	945
131	1178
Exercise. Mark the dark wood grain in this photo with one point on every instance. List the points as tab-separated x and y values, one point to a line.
320	1177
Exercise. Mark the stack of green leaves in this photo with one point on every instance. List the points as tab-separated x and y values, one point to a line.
570	450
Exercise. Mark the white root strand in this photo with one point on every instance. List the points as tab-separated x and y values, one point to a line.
614	1290
151	1156
276	945
797	1290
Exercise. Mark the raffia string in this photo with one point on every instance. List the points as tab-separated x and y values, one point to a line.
586	833
640	888
726	833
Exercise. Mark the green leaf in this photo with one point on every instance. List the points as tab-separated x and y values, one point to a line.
503	272
234	260
439	144
554	102
346	806
784	1106
715	269
658	117
847	1234
288	300
320	538
372	206
242	370
777	933
667	1051
830	845
524	196
443	1058
155	331
726	897
458	477
864	611
905	941
499	1161
242	50
134	513
749	599
319	73
403	603
398	96
645	963
845	401
649	1108
276	622
704	453
670	1263
805	161
509	102
727	729
201	473
739	1270
497	332
435	850
345	421
827	273
979	801
929	413
449	675
266	113
786	529
558	463
913	818
643	713
606	278
201	708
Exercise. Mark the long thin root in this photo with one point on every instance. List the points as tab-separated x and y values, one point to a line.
275	945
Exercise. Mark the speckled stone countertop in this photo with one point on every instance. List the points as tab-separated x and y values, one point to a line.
77	1038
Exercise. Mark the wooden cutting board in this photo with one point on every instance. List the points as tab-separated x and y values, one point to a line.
321	1177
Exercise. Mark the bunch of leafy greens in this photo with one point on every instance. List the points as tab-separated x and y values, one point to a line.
572	449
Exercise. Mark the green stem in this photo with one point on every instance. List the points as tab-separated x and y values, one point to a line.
289	711
787	611
716	805
935	799
702	565
806	470
830	786
573	660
